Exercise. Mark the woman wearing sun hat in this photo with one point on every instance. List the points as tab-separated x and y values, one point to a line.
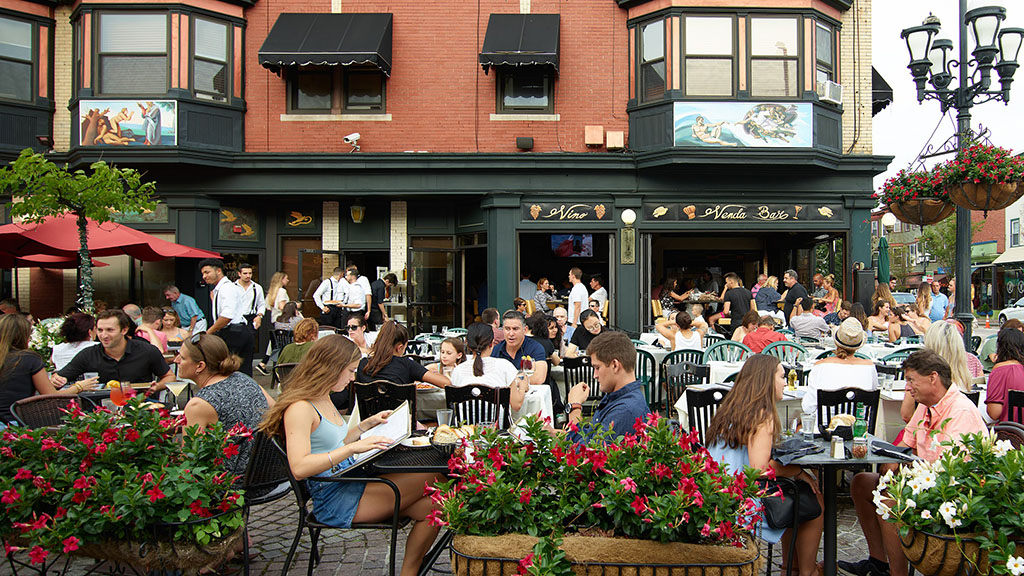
843	369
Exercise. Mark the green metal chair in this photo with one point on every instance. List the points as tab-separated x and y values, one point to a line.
788	352
638	342
828	353
645	373
785	332
857	355
898	356
675	381
458	331
726	350
808	340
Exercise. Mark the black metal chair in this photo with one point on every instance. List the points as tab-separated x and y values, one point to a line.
975	344
380	395
307	519
476	403
48	410
896	371
1014	410
701	406
675	379
974	397
266	480
579	370
282	338
1011	431
844	401
281	373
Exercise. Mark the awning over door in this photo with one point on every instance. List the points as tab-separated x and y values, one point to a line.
1010	256
328	39
521	40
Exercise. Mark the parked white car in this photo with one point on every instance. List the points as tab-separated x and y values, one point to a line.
1015	310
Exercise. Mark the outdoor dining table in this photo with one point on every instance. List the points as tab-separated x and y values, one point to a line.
788	408
830	468
537	401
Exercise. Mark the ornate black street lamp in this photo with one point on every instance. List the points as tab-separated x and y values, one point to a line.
930	63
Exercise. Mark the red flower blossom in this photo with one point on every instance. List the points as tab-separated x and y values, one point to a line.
598	459
525	563
81	496
85	438
23	474
155	494
661	471
100	448
10	496
240	430
495	455
639	505
524	495
230	450
131	435
434	519
628	483
37	555
70	544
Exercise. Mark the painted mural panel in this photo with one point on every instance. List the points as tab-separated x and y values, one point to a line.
128	122
743	124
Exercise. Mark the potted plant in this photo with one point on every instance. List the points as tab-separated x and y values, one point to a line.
45	335
120	486
917	197
962	513
984	177
653	499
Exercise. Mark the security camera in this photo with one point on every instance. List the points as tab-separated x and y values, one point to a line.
352	138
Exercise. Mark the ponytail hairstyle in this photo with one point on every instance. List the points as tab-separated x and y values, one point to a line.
479	337
383	350
211	349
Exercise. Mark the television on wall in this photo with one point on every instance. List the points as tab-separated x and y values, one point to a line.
572	245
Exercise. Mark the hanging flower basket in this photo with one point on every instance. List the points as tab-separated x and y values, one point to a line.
983	177
917	198
922	211
984	196
939	555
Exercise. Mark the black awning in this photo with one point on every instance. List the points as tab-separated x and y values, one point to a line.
521	40
328	39
881	92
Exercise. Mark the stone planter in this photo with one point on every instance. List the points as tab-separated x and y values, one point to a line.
500	556
943	555
922	211
984	196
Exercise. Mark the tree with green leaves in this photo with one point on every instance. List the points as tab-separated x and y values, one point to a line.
939	240
39	189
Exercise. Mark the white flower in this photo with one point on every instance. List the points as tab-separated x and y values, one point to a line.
1001	448
953	522
927	480
1015	564
926	514
911	503
947	510
915	486
953	482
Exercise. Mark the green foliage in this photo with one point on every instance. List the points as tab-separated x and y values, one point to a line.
939	240
913	185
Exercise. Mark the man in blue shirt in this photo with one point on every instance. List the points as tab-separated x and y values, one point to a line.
939	304
517	344
188	311
614	359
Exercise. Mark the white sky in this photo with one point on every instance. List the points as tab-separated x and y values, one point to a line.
903	128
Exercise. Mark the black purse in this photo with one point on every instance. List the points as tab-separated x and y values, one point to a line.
779	510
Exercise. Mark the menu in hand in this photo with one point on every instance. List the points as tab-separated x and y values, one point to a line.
398	427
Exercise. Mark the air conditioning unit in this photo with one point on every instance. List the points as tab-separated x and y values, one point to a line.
829	91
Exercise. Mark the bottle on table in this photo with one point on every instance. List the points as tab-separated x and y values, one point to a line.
860	424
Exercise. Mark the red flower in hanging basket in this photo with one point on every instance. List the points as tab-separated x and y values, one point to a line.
906	186
984	164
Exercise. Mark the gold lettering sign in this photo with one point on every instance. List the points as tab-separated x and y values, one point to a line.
742	212
564	212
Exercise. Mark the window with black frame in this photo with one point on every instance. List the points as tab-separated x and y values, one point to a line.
525	90
132	52
210	69
824	52
652	61
774	57
16	59
709	56
364	90
311	90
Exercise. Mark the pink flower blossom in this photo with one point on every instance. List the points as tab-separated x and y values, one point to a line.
23	474
70	544
37	555
628	484
10	496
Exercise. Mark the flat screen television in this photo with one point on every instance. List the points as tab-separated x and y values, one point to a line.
572	245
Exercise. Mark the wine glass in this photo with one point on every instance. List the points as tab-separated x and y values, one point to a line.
176	388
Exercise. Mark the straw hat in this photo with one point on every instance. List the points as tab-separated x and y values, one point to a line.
850	334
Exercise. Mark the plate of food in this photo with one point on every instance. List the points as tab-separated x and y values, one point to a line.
448	439
416	442
425	386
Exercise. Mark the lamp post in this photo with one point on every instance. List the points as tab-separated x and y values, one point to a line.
930	63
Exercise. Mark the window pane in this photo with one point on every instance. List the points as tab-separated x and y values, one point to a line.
653	80
15	80
708	77
133	33
822	75
15	39
653	41
133	74
211	40
365	91
521	91
773	78
708	35
313	93
823	44
210	76
773	37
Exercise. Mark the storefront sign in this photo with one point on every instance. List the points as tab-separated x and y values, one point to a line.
239	224
683	212
567	212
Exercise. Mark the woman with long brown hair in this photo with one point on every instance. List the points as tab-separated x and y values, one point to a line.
320	443
387	360
22	371
924	299
743	432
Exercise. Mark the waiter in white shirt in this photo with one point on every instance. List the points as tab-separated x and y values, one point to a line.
363	283
355	298
228	312
329	297
253	298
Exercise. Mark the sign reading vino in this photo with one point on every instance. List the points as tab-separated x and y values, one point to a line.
566	212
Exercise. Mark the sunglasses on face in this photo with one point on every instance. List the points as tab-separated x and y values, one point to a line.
352	327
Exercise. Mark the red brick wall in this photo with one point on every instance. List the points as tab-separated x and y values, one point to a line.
46	299
438	96
994	228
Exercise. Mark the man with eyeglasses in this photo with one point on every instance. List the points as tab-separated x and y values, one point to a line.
229	312
943	413
117	357
517	344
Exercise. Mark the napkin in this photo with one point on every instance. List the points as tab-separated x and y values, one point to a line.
789	450
883	448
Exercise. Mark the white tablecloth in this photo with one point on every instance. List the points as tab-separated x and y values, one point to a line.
720	369
788	408
537	401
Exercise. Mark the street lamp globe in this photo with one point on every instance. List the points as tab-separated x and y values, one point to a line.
888	220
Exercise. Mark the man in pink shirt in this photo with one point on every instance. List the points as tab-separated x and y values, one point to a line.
943	413
149	328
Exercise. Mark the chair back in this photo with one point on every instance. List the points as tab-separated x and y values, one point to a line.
282	338
898	356
302	495
822	355
701	406
786	351
809	340
637	342
460	332
974	397
476	403
1015	406
604	309
281	373
579	370
531	307
889	369
725	350
713	337
656	309
646	373
975	344
785	332
266	472
380	395
679	369
48	410
844	401
417	348
1011	431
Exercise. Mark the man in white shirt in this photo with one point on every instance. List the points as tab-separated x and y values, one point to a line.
807	325
578	296
228	311
364	283
253	298
599	292
355	298
527	288
329	297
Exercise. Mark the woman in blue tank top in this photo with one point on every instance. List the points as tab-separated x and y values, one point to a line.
743	432
320	443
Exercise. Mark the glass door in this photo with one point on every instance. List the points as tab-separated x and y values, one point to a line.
432	286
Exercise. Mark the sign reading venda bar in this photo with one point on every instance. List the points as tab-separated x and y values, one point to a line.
566	212
685	212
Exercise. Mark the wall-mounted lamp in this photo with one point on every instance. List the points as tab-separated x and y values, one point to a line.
357	211
627	254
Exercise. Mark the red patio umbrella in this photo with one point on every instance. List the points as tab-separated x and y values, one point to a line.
58	236
42	261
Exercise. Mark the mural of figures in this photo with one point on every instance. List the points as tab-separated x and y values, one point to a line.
128	123
743	124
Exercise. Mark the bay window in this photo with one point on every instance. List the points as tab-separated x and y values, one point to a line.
709	56
652	61
16	59
210	61
133	53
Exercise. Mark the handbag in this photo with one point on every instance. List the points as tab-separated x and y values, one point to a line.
779	510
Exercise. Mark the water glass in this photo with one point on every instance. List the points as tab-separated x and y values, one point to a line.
887	382
444	417
433	329
807	422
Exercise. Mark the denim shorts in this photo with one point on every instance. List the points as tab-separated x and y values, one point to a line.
335	503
